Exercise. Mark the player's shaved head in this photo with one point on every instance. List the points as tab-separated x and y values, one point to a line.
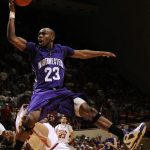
48	30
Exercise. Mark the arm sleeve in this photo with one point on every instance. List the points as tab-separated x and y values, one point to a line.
68	51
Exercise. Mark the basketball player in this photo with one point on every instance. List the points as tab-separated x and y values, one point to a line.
47	61
65	134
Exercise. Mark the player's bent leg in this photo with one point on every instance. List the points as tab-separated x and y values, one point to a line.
131	140
30	120
90	113
82	109
26	128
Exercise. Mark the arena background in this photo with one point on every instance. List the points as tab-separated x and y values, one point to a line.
122	27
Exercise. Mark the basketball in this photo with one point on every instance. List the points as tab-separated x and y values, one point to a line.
23	2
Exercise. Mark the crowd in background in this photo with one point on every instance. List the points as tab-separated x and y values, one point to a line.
85	143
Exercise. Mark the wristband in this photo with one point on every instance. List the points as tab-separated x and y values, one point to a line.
12	15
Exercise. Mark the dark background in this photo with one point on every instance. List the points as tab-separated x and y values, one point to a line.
119	26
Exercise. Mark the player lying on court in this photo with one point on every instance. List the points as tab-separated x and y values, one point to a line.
47	61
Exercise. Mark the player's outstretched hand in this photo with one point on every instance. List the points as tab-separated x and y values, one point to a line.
11	5
109	54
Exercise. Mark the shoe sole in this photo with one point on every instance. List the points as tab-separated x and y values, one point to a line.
139	137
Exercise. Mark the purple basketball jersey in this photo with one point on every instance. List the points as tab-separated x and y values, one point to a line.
49	69
48	65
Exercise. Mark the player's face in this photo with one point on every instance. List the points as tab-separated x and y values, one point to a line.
45	37
63	120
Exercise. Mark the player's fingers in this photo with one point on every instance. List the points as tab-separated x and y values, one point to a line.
11	3
113	55
12	6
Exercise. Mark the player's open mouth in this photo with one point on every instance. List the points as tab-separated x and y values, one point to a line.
40	42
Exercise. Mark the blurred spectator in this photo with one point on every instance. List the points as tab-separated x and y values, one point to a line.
110	143
3	76
114	111
6	116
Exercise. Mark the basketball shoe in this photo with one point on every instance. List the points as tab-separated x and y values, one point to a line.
133	138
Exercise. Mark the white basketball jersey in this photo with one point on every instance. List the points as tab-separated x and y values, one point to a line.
63	131
52	136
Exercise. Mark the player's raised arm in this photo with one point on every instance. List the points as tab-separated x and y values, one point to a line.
86	54
18	42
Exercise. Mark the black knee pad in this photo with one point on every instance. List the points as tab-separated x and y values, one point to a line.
98	115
